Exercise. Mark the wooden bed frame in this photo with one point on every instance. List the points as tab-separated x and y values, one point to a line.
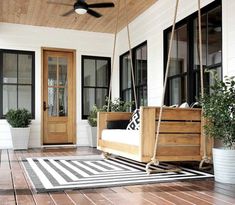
180	138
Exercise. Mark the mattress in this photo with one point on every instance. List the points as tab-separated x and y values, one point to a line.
131	137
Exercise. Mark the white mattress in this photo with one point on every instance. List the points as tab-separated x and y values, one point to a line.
131	137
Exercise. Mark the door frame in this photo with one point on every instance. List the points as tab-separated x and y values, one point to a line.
73	51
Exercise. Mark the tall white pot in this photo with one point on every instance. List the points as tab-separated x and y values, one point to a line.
224	165
20	137
93	137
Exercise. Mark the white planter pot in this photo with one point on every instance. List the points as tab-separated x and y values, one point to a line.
224	165
20	137
93	137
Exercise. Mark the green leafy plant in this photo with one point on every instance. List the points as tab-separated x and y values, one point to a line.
18	117
219	110
114	106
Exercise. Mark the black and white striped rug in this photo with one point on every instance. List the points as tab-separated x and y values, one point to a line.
60	173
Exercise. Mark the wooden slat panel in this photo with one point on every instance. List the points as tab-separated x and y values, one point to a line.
178	151
131	149
180	114
147	131
182	139
180	127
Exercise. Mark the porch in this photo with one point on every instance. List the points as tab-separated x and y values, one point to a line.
16	188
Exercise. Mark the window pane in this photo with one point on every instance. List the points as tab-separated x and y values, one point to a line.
178	61
127	95
204	42
100	96
102	73
214	36
89	77
126	72
178	90
25	69
9	98
52	102
63	102
88	100
52	71
9	68
142	96
24	97
141	65
63	64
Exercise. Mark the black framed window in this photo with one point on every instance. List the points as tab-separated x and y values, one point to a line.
183	83
139	58
17	80
95	82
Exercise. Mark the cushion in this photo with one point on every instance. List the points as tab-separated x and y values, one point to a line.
184	105
134	123
195	105
117	124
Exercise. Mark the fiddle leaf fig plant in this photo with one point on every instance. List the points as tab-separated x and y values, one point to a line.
219	110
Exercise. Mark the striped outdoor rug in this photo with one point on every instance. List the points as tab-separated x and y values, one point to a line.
60	173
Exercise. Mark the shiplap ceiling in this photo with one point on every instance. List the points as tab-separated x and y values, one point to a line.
40	13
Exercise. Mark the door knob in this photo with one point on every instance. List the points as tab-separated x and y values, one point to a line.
45	107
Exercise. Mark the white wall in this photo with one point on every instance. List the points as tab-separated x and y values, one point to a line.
150	26
22	37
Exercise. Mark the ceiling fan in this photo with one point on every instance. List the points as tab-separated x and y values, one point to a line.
81	7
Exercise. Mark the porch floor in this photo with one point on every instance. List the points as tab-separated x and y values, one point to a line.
15	187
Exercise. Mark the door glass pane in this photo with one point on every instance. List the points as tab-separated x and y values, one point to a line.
9	98
52	102
63	64
52	71
102	73
88	100
63	102
89	72
9	68
24	97
100	97
25	69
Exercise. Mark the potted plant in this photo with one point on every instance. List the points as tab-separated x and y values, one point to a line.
115	106
19	121
219	110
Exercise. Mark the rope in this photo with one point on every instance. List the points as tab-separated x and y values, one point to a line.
114	49
205	157
153	159
130	52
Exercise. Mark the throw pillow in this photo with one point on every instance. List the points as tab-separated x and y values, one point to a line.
134	123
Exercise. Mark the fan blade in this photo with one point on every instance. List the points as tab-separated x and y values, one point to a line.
68	12
64	4
101	5
93	13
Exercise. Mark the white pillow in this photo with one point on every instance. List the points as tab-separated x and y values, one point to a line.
184	105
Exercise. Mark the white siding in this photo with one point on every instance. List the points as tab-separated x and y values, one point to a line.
22	37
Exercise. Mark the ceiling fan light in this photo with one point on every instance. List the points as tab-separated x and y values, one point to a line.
80	10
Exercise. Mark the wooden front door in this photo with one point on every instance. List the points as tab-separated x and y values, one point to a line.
58	104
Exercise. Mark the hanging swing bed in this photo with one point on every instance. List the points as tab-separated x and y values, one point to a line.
165	134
